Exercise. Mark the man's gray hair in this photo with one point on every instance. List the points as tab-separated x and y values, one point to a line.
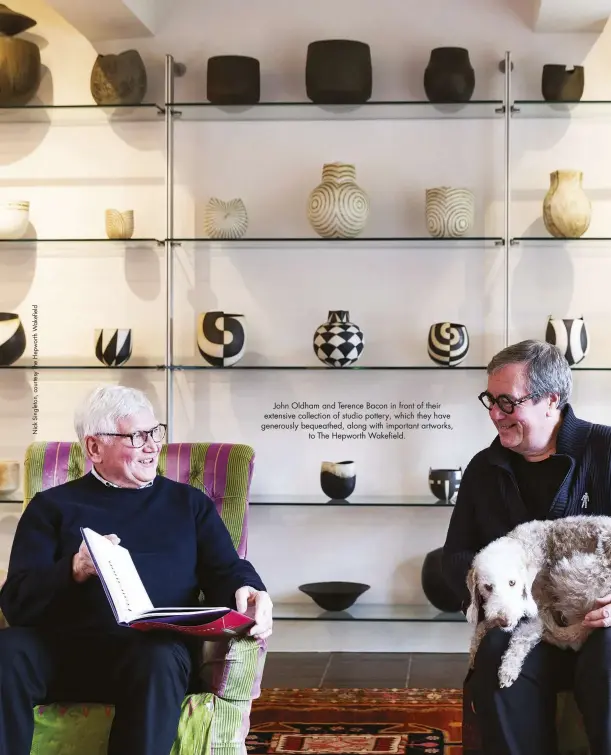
101	411
547	370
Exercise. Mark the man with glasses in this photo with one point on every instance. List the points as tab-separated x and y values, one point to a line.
544	463
63	642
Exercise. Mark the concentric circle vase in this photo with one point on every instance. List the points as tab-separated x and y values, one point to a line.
338	342
338	207
449	212
448	343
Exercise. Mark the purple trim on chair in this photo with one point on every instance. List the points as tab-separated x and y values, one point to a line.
184	454
171	465
63	462
243	544
49	465
220	473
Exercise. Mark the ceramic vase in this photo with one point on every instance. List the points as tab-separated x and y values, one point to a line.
449	76
225	220
221	337
9	477
14	219
338	72
444	483
448	343
434	586
337	479
449	212
566	208
119	225
338	207
20	67
233	80
570	336
562	84
338	342
113	346
12	338
119	79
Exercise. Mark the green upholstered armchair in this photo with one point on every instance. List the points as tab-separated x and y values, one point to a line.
213	723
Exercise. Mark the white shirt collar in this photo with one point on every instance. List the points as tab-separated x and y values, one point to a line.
95	473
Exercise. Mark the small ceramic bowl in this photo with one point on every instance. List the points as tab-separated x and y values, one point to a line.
14	219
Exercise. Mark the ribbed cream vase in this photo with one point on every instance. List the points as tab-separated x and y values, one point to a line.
338	207
119	225
567	211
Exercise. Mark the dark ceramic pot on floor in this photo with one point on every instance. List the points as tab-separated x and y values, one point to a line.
338	72
233	80
449	76
562	84
337	479
434	585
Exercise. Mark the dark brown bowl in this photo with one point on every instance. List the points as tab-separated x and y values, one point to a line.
334	596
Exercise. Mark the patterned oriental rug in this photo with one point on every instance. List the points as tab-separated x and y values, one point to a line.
356	722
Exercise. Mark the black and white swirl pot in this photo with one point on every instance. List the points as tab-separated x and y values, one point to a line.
338	207
221	337
448	343
570	336
12	338
338	342
449	212
113	346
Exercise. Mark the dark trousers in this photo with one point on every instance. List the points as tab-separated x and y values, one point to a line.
520	720
145	675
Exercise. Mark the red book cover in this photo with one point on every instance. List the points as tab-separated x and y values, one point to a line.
230	624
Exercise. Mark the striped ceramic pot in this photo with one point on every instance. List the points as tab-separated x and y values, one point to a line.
221	337
338	208
113	346
570	336
448	343
449	212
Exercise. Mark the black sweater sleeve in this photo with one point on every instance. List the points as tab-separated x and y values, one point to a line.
461	543
220	570
36	578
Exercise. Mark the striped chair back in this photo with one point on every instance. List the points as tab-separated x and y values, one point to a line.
221	470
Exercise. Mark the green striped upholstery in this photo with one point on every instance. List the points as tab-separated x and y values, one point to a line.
213	723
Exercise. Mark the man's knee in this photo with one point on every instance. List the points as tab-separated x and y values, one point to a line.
490	651
156	658
595	655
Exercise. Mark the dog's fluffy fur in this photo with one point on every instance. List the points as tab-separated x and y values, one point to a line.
538	582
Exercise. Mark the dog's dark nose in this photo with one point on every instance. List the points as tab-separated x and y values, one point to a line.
503	621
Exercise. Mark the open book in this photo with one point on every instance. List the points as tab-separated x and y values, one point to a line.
132	606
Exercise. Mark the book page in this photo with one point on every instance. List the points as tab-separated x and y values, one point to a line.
119	575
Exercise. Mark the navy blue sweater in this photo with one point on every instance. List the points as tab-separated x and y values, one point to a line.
177	541
489	504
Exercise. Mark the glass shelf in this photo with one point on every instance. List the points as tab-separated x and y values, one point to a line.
315	241
11	500
27	244
85	366
544	109
354	500
553	241
322	367
309	111
82	114
365	612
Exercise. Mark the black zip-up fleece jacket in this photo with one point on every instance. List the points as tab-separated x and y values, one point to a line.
489	504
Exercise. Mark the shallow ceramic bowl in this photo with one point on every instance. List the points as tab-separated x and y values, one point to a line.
334	596
14	219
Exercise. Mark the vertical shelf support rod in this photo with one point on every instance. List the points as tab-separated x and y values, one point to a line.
507	193
169	251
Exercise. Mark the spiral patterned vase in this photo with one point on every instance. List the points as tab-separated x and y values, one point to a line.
338	208
449	212
570	336
221	337
225	220
448	343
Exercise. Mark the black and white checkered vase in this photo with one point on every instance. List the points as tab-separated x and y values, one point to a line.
338	342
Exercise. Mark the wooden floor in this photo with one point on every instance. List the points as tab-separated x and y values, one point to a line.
365	670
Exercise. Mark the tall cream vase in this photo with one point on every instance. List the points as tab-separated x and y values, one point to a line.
338	207
567	211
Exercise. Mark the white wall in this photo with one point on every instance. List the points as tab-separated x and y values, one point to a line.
71	174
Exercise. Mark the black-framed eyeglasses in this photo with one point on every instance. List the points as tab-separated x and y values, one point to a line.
140	437
505	403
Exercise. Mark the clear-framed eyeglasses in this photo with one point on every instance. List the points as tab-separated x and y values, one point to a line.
505	403
139	438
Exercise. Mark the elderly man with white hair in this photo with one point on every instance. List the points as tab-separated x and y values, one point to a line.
64	642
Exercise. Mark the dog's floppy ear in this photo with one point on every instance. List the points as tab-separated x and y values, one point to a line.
476	600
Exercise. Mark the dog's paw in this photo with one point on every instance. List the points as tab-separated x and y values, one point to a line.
506	677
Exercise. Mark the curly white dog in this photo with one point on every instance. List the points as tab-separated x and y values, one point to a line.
538	582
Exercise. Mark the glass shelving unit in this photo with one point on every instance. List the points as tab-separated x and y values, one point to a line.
80	114
44	366
309	111
355	368
365	612
545	109
381	501
364	242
